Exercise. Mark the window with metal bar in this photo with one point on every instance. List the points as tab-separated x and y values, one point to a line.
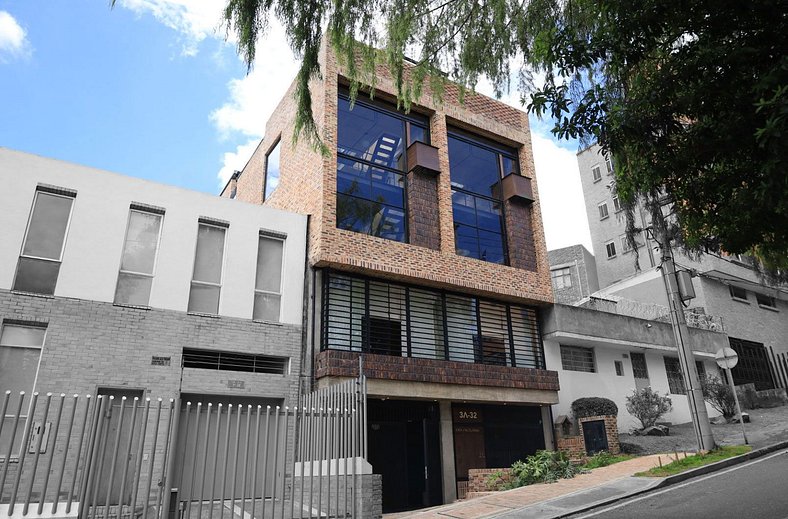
576	358
45	238
375	316
20	353
234	361
138	262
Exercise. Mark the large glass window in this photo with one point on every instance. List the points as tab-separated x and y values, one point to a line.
374	316
272	170
42	252
139	258
268	283
476	171
371	143
206	283
20	352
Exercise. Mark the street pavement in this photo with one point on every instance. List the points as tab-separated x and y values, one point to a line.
754	489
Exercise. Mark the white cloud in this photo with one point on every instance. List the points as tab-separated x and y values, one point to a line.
13	39
236	160
195	20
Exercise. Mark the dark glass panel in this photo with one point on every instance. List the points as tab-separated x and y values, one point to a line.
473	168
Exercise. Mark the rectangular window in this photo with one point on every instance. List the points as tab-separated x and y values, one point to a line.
268	283
364	315
576	358
675	377
371	163
766	301
20	353
234	361
45	238
616	204
476	168
603	213
596	173
625	245
619	368
639	367
610	247
738	293
562	278
271	170
138	262
206	283
609	164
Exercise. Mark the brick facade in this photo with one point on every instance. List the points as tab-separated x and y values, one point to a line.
574	446
308	185
422	192
331	363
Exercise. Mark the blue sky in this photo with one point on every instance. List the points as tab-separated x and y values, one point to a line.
151	89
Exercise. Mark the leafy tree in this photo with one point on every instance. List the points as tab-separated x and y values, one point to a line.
691	98
648	406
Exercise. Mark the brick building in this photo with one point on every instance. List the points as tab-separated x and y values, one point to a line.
428	261
118	286
573	271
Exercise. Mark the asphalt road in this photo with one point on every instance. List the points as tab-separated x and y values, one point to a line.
754	490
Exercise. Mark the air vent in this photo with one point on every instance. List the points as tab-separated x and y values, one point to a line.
232	361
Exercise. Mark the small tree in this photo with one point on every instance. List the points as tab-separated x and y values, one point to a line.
648	406
719	396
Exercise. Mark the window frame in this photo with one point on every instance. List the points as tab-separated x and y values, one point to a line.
151	211
599	208
58	192
225	228
283	239
581	349
594	170
608	244
609	164
26	408
566	272
276	144
617	207
741	298
619	367
770	304
501	152
673	380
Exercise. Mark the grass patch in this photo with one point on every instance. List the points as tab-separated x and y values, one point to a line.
603	459
691	462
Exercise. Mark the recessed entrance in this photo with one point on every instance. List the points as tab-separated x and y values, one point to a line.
404	447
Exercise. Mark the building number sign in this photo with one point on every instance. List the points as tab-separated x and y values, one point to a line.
467	415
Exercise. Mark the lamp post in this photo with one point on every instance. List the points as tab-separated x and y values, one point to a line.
727	359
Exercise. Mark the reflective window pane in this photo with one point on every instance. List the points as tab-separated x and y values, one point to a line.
133	289
472	167
269	264
509	166
266	307
272	170
47	230
37	276
370	134
353	178
204	299
491	247
466	241
418	134
210	253
142	237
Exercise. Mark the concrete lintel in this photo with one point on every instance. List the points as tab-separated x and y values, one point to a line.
591	340
455	392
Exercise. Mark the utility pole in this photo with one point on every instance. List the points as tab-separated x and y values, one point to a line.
697	404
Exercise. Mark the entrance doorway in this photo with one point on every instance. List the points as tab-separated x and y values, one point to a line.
404	447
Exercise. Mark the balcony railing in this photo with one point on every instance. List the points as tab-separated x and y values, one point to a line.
372	316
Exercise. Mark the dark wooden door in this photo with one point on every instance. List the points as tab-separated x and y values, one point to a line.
469	450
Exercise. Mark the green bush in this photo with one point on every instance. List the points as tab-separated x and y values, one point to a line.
594	406
495	481
719	396
603	459
648	406
542	467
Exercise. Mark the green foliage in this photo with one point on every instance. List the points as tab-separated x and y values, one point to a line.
593	406
603	459
698	460
542	467
495	481
691	98
719	396
648	406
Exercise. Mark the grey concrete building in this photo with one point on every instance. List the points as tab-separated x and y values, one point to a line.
573	272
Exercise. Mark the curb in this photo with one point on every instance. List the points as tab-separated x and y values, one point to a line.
678	478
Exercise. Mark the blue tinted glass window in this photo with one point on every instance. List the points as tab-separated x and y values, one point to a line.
272	171
371	135
472	167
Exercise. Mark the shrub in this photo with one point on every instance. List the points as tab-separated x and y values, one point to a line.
495	481
719	396
648	406
542	467
594	406
603	459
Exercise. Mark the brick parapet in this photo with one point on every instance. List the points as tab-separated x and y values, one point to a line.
422	192
520	236
334	363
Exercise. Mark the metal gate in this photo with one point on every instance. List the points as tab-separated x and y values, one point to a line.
113	456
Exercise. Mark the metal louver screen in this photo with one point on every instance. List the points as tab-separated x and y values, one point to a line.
232	361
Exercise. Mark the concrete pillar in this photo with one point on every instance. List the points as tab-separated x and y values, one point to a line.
547	427
447	453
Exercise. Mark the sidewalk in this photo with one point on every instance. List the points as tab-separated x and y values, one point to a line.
551	499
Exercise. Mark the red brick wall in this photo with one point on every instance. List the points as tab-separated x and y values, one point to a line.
477	478
574	446
345	364
423	214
